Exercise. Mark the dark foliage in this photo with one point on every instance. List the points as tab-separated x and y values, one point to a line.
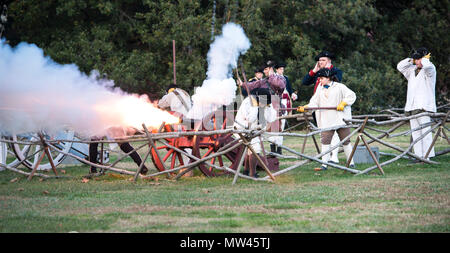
131	41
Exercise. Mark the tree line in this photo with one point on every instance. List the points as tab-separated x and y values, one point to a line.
131	41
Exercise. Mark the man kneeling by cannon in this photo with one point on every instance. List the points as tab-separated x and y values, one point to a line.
112	133
255	112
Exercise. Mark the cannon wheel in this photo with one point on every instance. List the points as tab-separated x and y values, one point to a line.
29	154
204	146
7	156
168	153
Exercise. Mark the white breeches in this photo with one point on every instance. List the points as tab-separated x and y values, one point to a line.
422	146
186	158
256	145
278	139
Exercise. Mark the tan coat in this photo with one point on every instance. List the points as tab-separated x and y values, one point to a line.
332	97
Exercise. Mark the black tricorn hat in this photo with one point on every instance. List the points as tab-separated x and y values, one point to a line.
259	70
325	54
419	53
280	65
269	64
325	72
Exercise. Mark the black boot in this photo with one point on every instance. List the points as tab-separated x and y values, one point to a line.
144	170
126	148
252	164
273	148
246	165
93	154
279	150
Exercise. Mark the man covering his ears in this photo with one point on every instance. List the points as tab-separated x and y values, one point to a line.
421	75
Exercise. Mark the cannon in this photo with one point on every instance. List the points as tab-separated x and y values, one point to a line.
201	146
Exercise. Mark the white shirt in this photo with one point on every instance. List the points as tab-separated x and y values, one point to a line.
247	115
332	97
247	118
421	88
173	102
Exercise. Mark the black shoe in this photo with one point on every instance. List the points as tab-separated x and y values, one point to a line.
256	175
93	170
352	166
245	172
144	170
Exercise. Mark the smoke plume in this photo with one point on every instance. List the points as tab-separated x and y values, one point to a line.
38	94
219	88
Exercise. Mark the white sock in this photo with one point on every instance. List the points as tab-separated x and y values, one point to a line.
348	151
334	154
325	158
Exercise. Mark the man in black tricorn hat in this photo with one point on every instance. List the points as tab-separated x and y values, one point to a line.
421	75
259	74
275	83
323	60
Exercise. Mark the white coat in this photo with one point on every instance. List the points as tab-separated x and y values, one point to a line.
172	102
421	87
247	118
332	97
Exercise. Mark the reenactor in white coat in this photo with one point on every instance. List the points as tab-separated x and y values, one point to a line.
331	94
179	101
255	117
421	75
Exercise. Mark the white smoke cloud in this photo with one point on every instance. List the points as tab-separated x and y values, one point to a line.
219	88
38	94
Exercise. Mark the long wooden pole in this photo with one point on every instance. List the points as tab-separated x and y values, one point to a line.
239	87
254	103
308	108
174	63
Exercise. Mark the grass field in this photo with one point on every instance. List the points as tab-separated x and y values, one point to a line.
409	198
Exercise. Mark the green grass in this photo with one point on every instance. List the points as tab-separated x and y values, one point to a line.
409	198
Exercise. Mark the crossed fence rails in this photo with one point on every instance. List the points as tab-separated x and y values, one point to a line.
360	124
